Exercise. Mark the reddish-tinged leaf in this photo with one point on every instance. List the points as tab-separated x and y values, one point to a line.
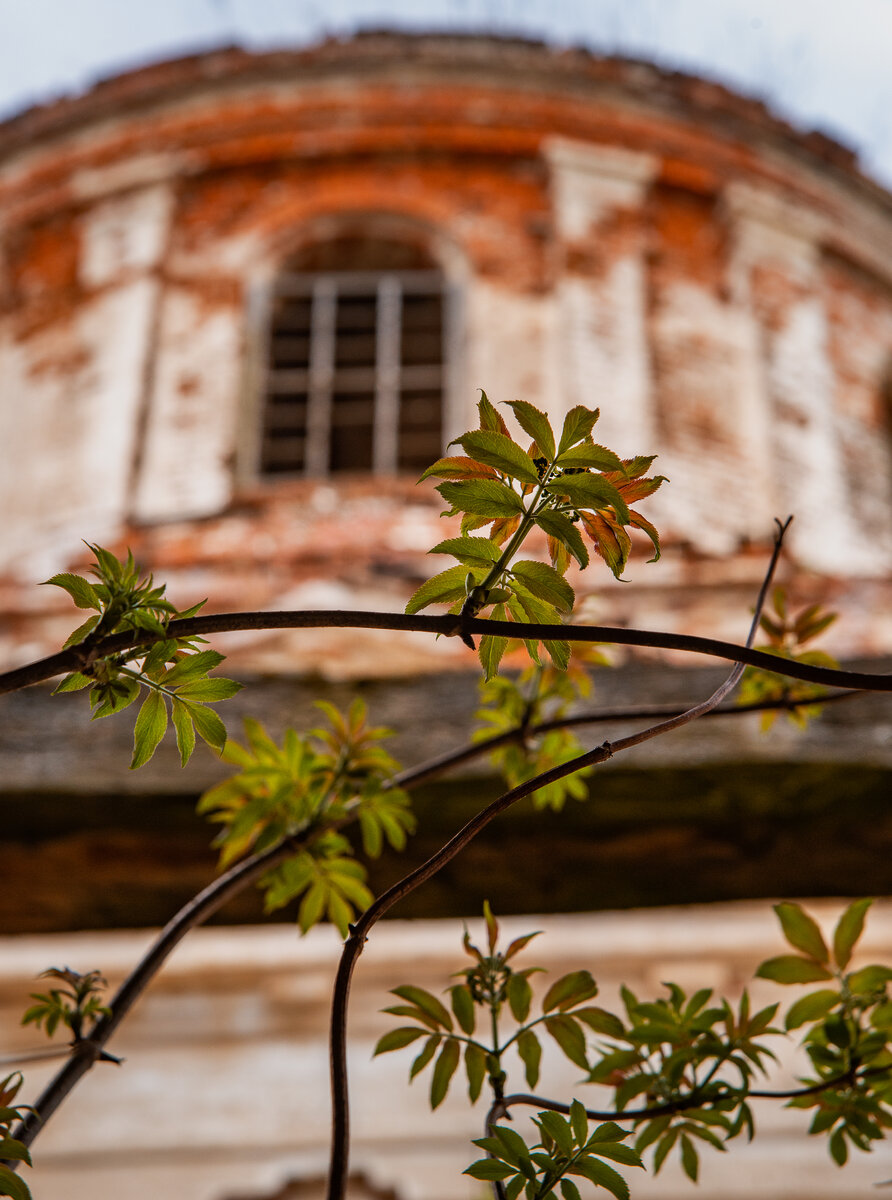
458	467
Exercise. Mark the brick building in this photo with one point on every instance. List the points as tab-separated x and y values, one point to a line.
244	299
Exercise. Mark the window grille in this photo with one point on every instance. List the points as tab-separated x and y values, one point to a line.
355	377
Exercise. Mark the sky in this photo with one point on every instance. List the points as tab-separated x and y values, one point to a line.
819	63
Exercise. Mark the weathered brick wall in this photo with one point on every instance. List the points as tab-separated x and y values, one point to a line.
716	281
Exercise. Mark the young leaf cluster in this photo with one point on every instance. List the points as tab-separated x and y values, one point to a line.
565	1148
315	784
11	1149
538	694
74	1005
849	1039
787	633
172	675
491	984
556	485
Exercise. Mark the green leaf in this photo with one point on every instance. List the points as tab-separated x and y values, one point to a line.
689	1160
13	1185
790	968
312	905
869	979
185	731
491	650
561	528
531	1054
801	931
75	682
602	1175
618	1152
590	455
520	995
579	1121
500	452
558	1129
457	467
79	589
569	990
811	1008
536	424
545	583
577	427
427	1053
488	1169
590	492
82	631
444	1069
463	1007
13	1148
208	726
397	1039
848	931
568	1035
475	1067
209	690
839	1152
601	1021
192	667
470	550
481	498
149	729
449	585
569	1190
426	1002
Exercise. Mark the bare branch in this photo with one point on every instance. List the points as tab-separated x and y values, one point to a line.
76	657
359	932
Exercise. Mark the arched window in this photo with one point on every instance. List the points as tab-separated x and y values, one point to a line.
355	367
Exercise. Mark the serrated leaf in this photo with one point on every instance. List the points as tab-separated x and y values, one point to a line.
499	451
645	526
531	1055
801	931
545	583
209	690
470	550
564	531
208	726
811	1008
599	1173
185	731
590	492
75	682
444	1069
79	589
569	1190
569	1037
449	585
612	542
790	968
591	456
577	426
397	1039
481	498
579	1122
426	1002
457	467
151	722
78	635
848	931
536	424
558	1129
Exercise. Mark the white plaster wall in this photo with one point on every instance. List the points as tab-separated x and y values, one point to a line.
68	429
187	461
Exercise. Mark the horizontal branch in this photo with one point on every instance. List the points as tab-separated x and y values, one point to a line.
75	657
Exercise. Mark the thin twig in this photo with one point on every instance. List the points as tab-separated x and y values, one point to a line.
75	657
359	932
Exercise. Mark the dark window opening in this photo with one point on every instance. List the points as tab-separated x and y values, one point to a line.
355	366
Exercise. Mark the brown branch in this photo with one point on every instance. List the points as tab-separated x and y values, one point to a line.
359	932
77	657
695	1100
